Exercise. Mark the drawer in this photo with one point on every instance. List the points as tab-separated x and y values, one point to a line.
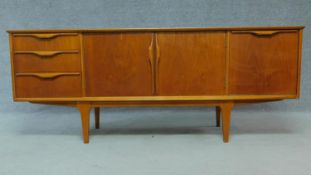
47	41
45	61
45	85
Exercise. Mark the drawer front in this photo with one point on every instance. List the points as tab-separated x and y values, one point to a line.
47	62
263	62
46	85
56	41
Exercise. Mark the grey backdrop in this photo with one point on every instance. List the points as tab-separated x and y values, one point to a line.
24	14
40	139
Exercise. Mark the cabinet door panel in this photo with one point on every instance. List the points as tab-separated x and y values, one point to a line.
117	64
191	63
263	65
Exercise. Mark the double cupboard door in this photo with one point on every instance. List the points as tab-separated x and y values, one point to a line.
160	63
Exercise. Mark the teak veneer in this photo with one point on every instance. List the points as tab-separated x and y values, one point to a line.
93	68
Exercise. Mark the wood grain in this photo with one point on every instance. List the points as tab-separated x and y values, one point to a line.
69	62
46	54
108	30
227	75
12	65
226	119
263	65
299	63
29	43
165	98
117	64
83	72
221	66
46	35
264	32
152	63
85	109
191	63
48	75
31	86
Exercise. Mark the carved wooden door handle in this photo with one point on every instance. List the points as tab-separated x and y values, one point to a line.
158	50
152	66
157	65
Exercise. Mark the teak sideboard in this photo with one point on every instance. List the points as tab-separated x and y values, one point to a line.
93	68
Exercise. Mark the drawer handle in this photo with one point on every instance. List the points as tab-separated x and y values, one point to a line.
47	75
46	53
264	32
47	35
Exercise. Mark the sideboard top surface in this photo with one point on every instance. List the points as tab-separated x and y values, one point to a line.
157	29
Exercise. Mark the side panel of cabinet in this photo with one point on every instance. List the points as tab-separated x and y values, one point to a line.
263	65
191	63
117	64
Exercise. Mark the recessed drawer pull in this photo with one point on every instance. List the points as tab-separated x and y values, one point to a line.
47	35
264	32
47	75
46	53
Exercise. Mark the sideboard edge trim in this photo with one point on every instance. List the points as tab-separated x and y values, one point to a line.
165	98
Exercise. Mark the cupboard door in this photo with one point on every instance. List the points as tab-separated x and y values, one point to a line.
117	64
191	63
263	62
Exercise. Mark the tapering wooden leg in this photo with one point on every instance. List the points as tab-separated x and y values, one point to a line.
97	113
85	119
218	116
226	113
